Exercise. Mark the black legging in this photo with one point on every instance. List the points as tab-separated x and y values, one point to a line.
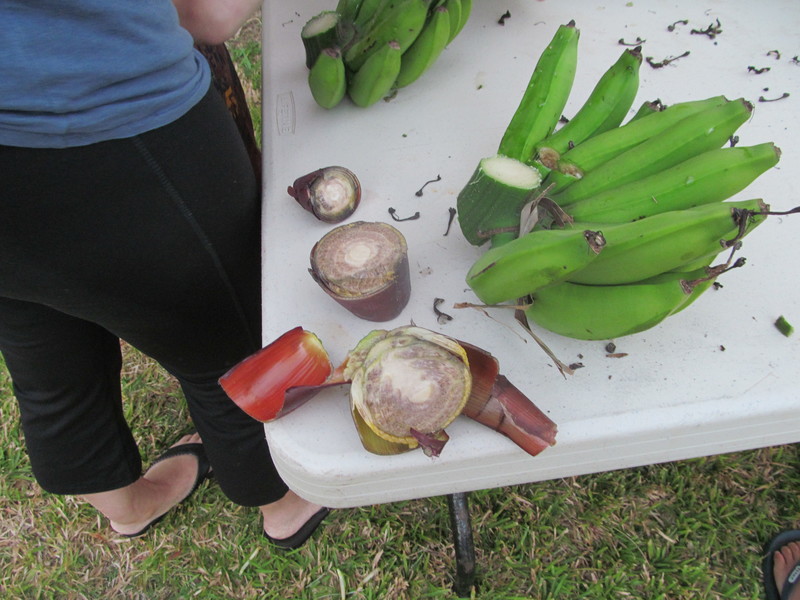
154	240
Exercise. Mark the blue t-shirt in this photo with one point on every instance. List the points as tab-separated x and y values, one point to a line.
76	72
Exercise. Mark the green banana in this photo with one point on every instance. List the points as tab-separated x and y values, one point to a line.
348	9
647	108
699	285
709	177
591	153
464	14
400	21
545	97
367	11
426	48
641	249
375	79
689	137
454	10
602	312
607	105
327	79
535	260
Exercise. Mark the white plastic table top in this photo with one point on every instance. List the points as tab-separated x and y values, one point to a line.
715	378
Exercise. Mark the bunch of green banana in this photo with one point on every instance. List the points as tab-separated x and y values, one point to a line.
360	33
629	219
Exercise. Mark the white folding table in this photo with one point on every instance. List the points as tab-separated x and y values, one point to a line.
715	378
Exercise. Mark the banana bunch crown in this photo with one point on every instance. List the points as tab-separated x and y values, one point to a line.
381	46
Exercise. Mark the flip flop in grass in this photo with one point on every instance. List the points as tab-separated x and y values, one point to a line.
790	583
203	472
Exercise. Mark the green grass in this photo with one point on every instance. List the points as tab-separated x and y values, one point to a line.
683	530
679	531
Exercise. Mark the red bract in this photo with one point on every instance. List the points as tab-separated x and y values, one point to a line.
259	383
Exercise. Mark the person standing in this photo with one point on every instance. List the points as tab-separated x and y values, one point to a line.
130	211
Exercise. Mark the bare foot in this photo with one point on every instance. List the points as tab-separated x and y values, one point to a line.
785	562
162	487
286	516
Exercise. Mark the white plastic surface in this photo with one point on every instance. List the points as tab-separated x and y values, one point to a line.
715	378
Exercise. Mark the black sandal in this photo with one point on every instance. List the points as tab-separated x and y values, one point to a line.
203	472
792	579
299	538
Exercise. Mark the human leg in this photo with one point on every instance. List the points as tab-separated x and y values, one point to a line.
65	375
155	239
133	509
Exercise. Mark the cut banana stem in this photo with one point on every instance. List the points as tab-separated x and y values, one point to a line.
331	194
545	97
532	261
364	267
710	177
689	137
592	153
426	48
490	203
318	33
641	249
376	78
602	312
405	382
606	107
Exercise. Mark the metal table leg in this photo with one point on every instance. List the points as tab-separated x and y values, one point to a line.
464	546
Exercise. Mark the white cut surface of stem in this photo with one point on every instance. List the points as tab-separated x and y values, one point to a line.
511	172
320	23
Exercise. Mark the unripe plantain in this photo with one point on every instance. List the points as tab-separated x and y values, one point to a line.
400	21
348	9
712	176
642	249
592	153
647	108
426	48
689	137
606	107
602	312
376	78
465	12
454	11
366	12
545	97
327	79
532	261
